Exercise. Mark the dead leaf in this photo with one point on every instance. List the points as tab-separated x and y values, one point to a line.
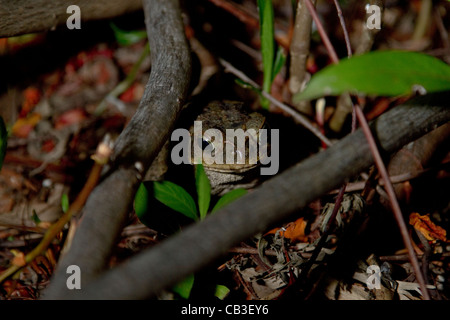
23	126
19	260
32	97
295	231
423	224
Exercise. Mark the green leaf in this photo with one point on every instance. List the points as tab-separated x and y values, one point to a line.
141	201
3	141
280	59
35	217
266	23
65	202
228	198
203	190
127	38
383	73
221	292
176	198
184	287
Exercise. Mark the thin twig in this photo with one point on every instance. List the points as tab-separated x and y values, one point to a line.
357	186
297	116
341	193
76	207
321	30
378	161
393	200
324	236
344	28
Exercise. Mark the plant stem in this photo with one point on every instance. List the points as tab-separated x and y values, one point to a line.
393	200
321	30
125	83
299	50
297	116
379	163
344	28
55	228
423	19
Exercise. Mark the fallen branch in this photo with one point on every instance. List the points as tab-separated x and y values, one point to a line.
29	16
152	270
109	204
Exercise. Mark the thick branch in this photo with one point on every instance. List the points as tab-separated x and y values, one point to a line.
27	16
107	208
160	267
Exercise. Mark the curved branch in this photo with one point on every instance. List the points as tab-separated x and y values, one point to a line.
108	206
157	268
28	16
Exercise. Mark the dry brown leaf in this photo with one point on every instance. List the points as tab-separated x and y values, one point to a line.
423	224
19	260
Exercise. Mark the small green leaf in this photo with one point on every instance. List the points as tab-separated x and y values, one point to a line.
184	287
203	190
65	202
127	38
3	141
280	60
383	73
35	217
176	198
221	292
141	201
228	198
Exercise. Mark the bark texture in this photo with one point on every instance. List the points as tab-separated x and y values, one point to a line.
27	16
108	206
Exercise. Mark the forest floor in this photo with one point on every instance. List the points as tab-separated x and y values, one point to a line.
59	98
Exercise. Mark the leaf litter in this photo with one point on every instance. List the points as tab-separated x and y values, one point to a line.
54	130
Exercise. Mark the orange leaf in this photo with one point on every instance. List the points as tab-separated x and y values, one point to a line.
423	224
32	97
23	126
295	231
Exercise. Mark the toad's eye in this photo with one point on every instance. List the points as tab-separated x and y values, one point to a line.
205	144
